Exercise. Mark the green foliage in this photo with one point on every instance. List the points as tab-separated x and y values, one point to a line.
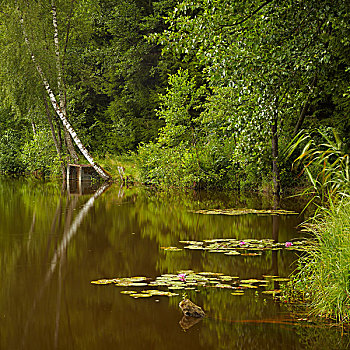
323	280
10	161
129	163
265	67
251	73
325	161
187	152
39	155
114	80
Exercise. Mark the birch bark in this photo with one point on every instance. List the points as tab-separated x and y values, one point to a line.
59	112
57	144
60	83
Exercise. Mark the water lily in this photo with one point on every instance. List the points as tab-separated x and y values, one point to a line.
289	244
182	277
241	243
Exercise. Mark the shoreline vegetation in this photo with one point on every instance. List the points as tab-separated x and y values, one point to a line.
223	94
321	284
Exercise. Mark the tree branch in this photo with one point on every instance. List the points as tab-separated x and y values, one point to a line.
306	106
249	16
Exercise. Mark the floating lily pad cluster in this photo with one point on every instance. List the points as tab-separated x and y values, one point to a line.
247	247
189	280
243	211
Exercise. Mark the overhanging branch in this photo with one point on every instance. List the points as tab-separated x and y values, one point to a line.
249	16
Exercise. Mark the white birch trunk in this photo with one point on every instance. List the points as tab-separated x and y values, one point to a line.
60	83
61	115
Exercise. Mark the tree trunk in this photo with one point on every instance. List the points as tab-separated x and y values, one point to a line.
60	84
70	147
275	166
305	108
61	115
57	145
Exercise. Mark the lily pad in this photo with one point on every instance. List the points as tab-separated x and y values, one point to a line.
224	286
194	247
270	276
244	285
171	249
252	280
185	271
138	284
140	295
248	247
281	279
102	282
234	252
210	273
243	211
273	292
191	242
250	254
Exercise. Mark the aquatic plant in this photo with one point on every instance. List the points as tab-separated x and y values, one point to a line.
190	281
182	277
250	246
244	211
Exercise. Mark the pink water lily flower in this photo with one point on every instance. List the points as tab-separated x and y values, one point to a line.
182	277
289	244
241	243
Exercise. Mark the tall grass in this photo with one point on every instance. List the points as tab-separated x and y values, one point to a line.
324	160
323	277
323	280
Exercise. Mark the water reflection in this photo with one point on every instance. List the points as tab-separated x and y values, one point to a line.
187	322
53	244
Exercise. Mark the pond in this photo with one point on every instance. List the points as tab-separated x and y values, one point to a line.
54	243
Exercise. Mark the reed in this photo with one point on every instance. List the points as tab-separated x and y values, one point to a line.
324	159
323	280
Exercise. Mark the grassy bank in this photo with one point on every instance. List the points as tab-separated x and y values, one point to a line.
122	165
323	278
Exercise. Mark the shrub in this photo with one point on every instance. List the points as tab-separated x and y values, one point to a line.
10	156
40	155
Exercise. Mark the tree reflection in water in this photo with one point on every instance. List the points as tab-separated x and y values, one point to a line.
53	245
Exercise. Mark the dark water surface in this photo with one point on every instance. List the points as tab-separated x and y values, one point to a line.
53	244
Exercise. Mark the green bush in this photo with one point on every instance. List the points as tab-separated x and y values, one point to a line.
39	155
189	152
10	158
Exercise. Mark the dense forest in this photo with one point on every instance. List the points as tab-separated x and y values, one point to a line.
209	93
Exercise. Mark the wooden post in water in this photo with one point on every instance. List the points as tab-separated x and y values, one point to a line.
78	175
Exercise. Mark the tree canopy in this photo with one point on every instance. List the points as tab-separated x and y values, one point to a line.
209	93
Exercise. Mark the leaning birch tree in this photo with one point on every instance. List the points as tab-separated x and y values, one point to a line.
37	25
